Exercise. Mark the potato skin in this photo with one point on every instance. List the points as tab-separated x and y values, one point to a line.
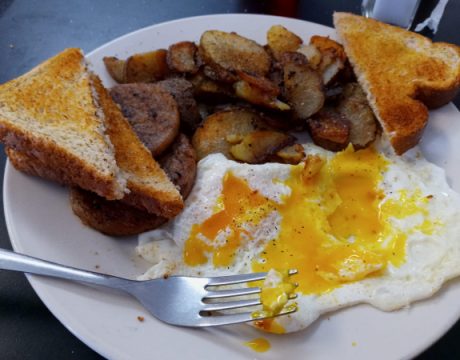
281	40
208	90
116	68
182	57
355	107
260	91
303	86
146	67
260	146
225	53
329	129
211	136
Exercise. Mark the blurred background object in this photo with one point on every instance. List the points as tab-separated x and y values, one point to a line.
395	12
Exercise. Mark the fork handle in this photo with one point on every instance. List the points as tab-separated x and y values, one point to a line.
10	260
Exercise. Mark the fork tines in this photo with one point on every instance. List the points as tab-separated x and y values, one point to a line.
210	303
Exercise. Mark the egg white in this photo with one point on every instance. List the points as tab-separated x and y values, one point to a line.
430	259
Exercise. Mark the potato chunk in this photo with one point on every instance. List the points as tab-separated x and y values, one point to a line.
225	53
116	68
146	67
143	67
210	91
303	85
333	57
312	54
259	91
182	57
312	166
329	129
355	107
259	146
292	154
281	40
211	136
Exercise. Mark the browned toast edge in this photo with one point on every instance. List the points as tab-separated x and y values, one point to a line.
156	201
424	97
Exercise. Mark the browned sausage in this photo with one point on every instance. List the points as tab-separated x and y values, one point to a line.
152	112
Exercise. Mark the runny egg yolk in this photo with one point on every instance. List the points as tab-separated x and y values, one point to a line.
237	205
335	223
258	344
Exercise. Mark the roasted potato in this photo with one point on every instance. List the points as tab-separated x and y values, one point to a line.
116	68
331	71
182	57
312	54
260	145
210	91
219	74
325	44
276	74
312	166
329	129
211	136
281	40
333	57
333	95
225	53
259	91
303	87
262	83
146	67
292	154
355	107
278	120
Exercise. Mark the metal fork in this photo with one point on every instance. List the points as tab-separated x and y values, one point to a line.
176	300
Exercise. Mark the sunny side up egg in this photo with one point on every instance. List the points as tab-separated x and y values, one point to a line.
361	226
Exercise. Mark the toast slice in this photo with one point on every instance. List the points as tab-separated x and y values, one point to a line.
150	187
403	74
49	114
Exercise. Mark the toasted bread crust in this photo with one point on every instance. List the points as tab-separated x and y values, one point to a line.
36	103
403	74
162	197
117	218
434	98
131	155
61	167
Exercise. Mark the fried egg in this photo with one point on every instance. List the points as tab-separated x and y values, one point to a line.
362	226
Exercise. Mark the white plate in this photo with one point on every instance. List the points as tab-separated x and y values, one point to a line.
40	223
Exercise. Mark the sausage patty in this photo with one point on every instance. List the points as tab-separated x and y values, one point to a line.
182	91
152	112
179	163
111	217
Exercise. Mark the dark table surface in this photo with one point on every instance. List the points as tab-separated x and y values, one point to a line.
32	31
